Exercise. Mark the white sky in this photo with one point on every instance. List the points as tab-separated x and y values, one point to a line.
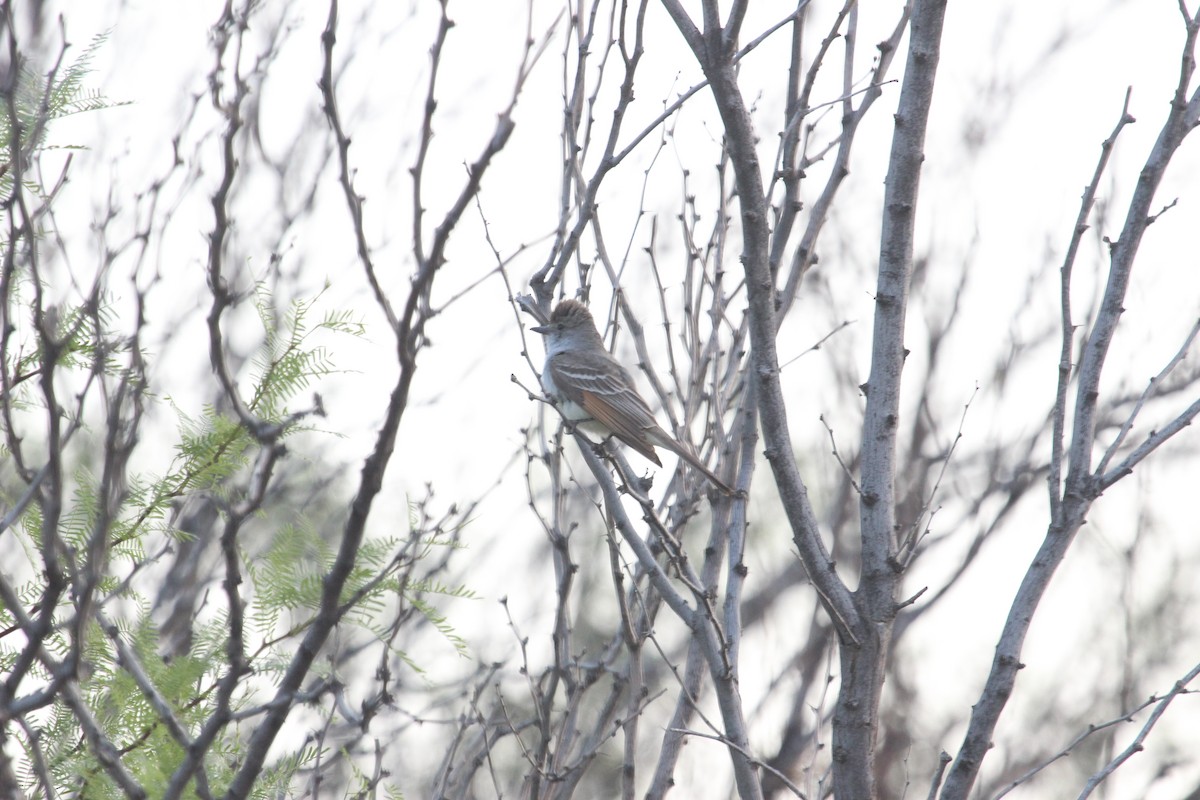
1017	198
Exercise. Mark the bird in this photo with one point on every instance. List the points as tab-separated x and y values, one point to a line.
592	388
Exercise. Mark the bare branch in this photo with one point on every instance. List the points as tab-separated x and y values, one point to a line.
353	201
1081	485
1068	326
1108	478
1136	745
1074	743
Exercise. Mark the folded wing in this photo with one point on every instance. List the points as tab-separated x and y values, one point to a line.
605	390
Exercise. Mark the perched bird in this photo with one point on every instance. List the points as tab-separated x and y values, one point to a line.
591	388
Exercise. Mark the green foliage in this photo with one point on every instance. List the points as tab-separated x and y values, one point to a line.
109	538
80	341
287	363
282	583
288	579
37	100
275	781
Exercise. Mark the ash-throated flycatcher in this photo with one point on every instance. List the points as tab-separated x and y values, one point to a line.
590	387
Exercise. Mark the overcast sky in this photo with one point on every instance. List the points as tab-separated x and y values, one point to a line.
1037	86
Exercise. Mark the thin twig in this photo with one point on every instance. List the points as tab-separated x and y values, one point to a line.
1136	746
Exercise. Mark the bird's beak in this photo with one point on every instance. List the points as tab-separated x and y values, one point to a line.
542	329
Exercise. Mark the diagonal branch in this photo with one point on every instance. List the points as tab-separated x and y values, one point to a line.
1082	485
1136	746
741	142
702	622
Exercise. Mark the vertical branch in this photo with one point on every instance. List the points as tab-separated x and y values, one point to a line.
740	141
700	619
353	200
880	425
735	525
49	489
1054	478
789	146
856	715
632	637
1180	121
805	251
547	278
562	673
229	28
675	736
426	137
864	621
